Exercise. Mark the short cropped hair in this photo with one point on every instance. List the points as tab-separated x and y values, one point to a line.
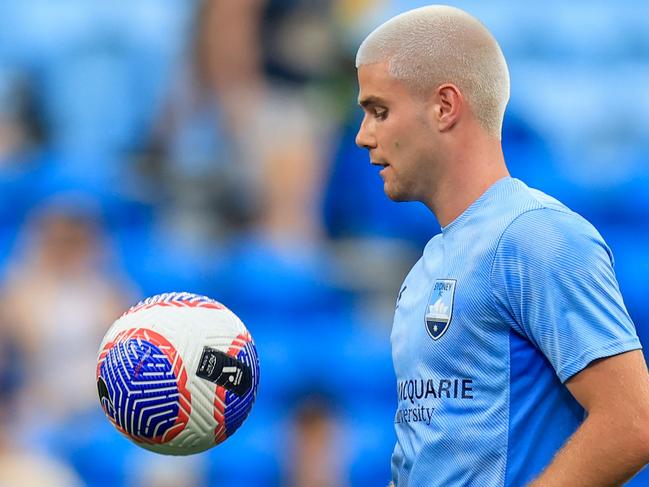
437	44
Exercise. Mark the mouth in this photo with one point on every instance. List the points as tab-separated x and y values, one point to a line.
382	165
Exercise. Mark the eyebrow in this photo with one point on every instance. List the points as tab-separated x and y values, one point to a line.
370	100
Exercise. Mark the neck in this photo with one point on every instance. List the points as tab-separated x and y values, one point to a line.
470	176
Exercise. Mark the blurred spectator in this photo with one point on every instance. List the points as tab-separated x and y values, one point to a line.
21	159
60	296
314	457
190	164
148	469
273	94
19	130
20	467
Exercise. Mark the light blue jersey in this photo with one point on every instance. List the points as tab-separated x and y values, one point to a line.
513	298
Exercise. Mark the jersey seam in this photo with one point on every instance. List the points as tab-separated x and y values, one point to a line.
522	331
509	408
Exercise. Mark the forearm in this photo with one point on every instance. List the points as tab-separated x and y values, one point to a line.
607	450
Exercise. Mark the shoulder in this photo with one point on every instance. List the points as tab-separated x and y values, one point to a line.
550	230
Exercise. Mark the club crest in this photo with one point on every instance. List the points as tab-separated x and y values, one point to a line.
439	309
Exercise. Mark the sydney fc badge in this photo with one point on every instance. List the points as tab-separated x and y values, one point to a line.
439	309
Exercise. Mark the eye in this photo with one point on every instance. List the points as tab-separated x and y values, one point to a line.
380	113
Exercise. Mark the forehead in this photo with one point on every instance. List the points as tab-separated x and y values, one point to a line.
375	81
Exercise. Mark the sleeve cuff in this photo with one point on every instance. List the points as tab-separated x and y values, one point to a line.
581	362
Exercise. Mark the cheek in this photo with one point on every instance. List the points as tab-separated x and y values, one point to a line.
406	133
394	139
400	136
414	150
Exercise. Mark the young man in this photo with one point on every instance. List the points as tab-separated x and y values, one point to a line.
515	357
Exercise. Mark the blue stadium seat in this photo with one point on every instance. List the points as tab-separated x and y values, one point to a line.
253	455
369	442
157	263
92	446
293	284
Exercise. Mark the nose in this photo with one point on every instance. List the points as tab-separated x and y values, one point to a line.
364	138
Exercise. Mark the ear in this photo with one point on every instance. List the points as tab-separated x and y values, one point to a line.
448	105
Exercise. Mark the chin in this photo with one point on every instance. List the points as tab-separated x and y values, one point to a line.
398	195
397	198
395	195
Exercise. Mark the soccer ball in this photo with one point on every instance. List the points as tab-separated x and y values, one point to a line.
177	373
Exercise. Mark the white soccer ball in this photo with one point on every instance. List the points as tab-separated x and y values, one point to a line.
177	373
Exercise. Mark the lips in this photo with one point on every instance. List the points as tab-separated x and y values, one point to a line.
381	164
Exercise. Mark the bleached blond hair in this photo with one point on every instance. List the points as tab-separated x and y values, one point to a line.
429	46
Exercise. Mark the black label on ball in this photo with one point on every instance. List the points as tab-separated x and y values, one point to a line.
226	371
104	395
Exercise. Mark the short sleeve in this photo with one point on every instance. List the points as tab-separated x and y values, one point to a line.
553	280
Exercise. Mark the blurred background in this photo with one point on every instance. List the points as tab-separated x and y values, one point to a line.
208	146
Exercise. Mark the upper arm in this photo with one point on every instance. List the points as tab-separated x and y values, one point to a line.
617	384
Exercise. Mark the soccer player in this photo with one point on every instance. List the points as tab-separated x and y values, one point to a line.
516	360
